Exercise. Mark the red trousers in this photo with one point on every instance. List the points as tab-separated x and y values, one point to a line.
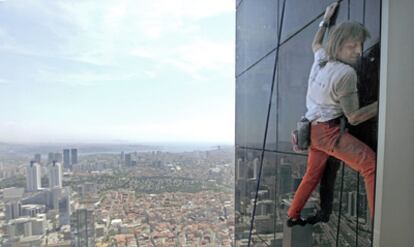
349	149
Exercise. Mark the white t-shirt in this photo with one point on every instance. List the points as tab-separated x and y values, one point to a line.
327	84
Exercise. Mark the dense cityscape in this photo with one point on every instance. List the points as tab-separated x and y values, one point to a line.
349	223
137	198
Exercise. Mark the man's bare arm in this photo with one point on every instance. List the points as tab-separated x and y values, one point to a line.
318	39
353	113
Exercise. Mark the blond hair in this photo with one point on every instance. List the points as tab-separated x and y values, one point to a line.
349	30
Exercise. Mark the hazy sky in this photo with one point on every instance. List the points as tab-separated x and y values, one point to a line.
108	70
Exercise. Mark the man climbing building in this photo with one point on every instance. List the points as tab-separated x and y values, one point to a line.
332	93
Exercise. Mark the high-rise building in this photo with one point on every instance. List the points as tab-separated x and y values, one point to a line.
255	167
32	210
352	203
297	236
83	228
122	157
20	227
38	158
70	157
50	157
64	207
74	156
273	60
33	177
128	159
59	157
26	227
285	178
238	165
66	159
13	210
55	175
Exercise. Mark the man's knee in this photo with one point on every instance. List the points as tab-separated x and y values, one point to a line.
368	165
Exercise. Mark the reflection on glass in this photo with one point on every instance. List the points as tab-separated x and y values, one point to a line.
256	31
296	59
299	13
252	97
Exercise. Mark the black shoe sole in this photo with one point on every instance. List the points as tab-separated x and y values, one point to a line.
291	223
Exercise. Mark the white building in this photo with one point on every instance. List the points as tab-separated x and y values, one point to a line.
39	225
19	227
55	175
33	177
27	226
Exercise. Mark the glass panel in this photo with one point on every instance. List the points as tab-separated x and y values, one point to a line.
298	13
368	91
355	227
238	2
290	170
282	173
256	31
364	221
247	172
296	59
344	212
265	217
367	132
252	99
373	21
357	10
351	211
271	141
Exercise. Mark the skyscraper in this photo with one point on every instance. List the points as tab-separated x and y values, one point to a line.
270	98
58	157
74	156
256	167
33	177
55	175
352	203
64	207
285	178
50	157
128	159
122	156
13	209
66	159
83	228
38	158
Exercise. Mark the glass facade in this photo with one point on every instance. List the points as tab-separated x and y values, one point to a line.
270	158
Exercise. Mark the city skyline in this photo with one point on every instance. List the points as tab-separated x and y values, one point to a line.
127	71
156	198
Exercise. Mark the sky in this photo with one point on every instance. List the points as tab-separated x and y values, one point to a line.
117	70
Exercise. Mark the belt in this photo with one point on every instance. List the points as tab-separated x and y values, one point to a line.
330	123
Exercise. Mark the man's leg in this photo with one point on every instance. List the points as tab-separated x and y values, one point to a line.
314	170
361	158
327	185
326	192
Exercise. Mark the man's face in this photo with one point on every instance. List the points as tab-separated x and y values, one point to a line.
350	52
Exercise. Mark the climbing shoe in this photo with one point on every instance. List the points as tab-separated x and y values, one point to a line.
318	217
293	222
